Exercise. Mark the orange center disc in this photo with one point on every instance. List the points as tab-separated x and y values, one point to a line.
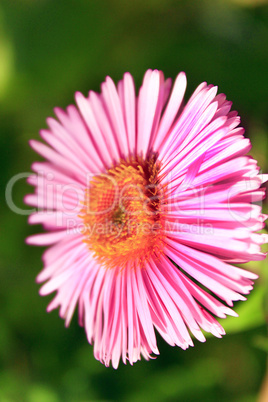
122	213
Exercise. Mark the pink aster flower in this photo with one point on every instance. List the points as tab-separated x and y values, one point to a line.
146	203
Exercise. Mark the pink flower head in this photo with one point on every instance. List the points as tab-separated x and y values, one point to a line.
147	203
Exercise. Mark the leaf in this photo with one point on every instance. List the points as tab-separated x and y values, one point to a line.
261	342
251	313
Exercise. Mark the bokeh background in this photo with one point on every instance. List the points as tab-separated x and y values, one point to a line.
48	50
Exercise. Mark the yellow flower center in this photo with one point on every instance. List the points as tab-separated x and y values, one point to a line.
122	213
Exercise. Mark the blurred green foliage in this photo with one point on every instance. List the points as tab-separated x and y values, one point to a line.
50	49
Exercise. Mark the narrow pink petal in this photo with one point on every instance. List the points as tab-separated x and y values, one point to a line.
187	120
45	239
130	111
60	255
171	110
89	117
158	110
164	295
70	168
131	321
147	103
103	122
191	156
194	268
142	310
64	142
74	124
114	110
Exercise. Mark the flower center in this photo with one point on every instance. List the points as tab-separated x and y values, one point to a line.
122	213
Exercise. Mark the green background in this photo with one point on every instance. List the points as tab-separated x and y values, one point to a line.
48	50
